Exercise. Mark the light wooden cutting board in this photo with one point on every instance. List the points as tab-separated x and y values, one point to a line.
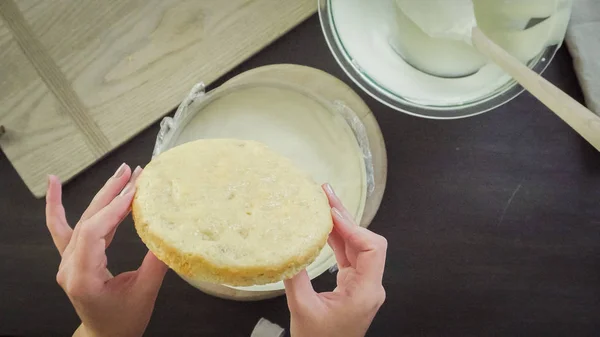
78	78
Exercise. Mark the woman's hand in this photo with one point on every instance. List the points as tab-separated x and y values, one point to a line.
107	305
349	310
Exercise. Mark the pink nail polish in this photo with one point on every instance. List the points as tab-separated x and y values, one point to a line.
136	172
329	189
128	189
120	171
337	213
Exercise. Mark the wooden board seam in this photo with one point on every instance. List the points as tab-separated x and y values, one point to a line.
127	62
54	78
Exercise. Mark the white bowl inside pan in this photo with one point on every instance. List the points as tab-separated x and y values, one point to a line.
299	125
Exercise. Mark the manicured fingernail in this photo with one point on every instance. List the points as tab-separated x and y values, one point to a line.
338	213
120	171
128	189
136	172
329	189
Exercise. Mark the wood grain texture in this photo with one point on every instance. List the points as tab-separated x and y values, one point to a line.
125	63
35	123
52	76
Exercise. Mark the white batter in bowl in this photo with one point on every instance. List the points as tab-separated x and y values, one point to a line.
368	37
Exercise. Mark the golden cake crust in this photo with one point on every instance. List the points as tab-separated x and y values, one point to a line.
230	212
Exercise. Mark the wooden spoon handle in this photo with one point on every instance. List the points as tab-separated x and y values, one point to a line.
582	120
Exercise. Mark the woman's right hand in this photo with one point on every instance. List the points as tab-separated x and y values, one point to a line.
349	310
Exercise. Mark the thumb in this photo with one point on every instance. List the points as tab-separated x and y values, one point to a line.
299	291
151	273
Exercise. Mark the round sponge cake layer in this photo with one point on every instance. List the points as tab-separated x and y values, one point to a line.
230	212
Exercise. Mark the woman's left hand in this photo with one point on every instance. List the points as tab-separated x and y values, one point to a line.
107	305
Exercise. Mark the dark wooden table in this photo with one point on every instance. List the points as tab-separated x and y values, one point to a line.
493	224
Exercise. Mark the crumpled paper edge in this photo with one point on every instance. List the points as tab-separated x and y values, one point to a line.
265	328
